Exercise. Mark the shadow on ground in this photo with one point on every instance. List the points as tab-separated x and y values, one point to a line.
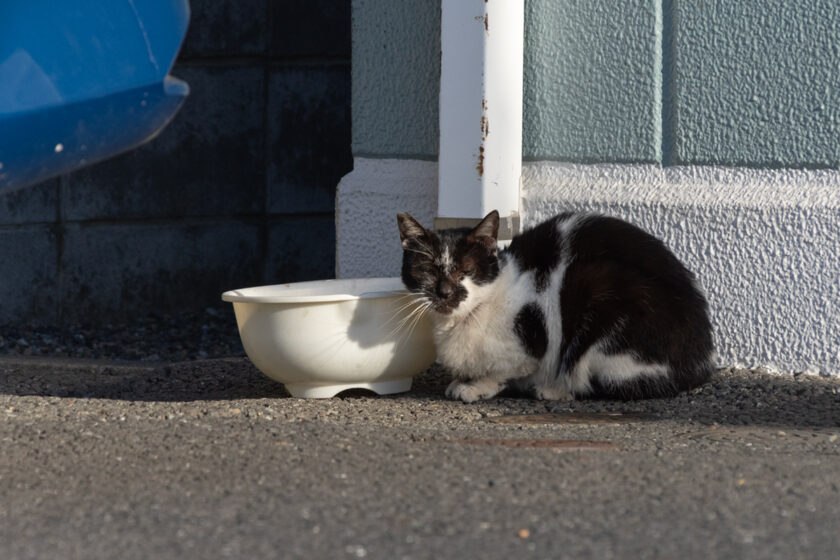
222	379
216	379
732	397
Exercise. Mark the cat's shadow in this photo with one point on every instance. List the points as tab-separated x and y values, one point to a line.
728	399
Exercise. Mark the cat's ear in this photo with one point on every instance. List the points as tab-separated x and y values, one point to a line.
487	231
409	228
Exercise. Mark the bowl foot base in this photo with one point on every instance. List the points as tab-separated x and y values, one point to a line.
303	391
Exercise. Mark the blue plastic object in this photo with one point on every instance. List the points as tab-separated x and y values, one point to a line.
83	80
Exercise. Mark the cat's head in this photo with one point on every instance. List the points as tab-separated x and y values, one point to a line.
447	266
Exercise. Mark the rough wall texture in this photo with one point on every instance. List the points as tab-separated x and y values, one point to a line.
238	190
368	201
396	78
756	83
592	81
720	82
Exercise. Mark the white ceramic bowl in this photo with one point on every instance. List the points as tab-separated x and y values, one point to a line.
321	338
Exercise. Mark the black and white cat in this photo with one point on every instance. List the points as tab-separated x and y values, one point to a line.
580	305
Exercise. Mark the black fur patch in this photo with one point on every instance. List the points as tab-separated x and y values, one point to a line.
472	259
530	328
538	249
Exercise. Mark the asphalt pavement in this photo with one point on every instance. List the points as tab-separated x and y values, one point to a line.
209	459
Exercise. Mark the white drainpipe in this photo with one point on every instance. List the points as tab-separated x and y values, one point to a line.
480	161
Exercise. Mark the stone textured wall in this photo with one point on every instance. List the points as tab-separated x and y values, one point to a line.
674	82
755	83
592	81
238	190
396	78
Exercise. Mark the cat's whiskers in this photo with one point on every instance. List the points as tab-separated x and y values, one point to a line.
419	305
411	320
408	295
414	300
417	315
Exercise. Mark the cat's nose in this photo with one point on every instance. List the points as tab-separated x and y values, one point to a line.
444	289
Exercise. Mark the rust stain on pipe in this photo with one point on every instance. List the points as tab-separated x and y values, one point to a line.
485	131
485	122
485	20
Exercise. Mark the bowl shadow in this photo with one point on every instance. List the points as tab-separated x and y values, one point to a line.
215	379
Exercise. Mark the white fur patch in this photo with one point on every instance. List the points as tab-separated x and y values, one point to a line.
544	378
472	391
477	339
567	226
611	369
446	260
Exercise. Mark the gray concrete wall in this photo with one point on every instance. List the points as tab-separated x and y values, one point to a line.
396	78
671	82
239	190
592	82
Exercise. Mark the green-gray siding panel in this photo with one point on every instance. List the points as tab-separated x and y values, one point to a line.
592	81
396	78
757	83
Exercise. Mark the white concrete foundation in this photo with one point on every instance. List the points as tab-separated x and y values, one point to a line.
765	244
367	203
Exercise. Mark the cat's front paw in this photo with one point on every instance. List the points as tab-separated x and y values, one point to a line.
473	390
551	393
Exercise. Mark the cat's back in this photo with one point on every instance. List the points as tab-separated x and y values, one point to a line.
622	292
594	237
588	237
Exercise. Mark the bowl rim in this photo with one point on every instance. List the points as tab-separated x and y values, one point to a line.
313	291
